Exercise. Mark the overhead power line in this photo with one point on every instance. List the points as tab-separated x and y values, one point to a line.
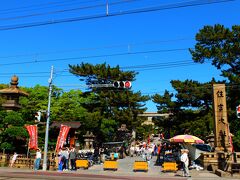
143	67
43	6
95	56
128	46
64	10
128	12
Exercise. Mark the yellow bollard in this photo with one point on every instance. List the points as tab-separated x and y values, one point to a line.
110	165
140	166
82	163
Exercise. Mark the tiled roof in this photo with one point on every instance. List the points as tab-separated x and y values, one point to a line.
74	125
13	91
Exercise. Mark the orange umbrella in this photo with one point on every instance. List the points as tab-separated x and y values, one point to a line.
186	138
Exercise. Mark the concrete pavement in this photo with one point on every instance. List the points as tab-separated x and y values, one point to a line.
125	171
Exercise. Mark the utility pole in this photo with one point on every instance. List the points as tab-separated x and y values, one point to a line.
107	7
47	124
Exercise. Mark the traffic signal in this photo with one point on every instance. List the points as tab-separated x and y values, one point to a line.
122	84
37	116
238	111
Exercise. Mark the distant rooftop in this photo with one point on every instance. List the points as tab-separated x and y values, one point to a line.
153	114
73	124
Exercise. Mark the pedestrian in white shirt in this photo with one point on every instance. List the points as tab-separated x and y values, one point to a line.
185	161
13	159
37	159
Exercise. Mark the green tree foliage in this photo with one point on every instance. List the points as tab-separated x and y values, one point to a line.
12	131
71	104
190	110
108	127
120	105
221	46
37	100
166	105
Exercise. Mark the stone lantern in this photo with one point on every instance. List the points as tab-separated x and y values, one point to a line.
210	139
12	95
88	139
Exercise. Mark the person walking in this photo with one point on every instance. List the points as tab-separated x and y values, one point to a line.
148	155
132	150
72	157
65	159
185	161
37	159
13	159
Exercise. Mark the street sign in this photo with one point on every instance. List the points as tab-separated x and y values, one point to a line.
100	85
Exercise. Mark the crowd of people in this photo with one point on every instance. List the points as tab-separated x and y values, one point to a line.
164	152
66	157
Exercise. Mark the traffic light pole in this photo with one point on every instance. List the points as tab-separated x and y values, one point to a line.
47	124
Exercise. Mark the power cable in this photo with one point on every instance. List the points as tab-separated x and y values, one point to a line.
95	56
64	10
157	64
99	47
41	6
134	68
136	11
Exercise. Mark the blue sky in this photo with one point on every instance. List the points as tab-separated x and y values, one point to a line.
168	32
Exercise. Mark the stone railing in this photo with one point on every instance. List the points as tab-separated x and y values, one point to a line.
24	162
218	160
4	159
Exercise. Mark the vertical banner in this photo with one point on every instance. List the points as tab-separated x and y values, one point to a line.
62	136
148	140
33	136
230	139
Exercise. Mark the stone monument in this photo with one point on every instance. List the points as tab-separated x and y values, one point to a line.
12	95
88	139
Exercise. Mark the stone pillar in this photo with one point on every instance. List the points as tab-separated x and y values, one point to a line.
221	126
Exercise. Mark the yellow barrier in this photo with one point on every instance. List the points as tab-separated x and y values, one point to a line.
82	163
169	166
110	165
140	166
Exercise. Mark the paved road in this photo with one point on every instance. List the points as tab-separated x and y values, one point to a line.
96	172
66	176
